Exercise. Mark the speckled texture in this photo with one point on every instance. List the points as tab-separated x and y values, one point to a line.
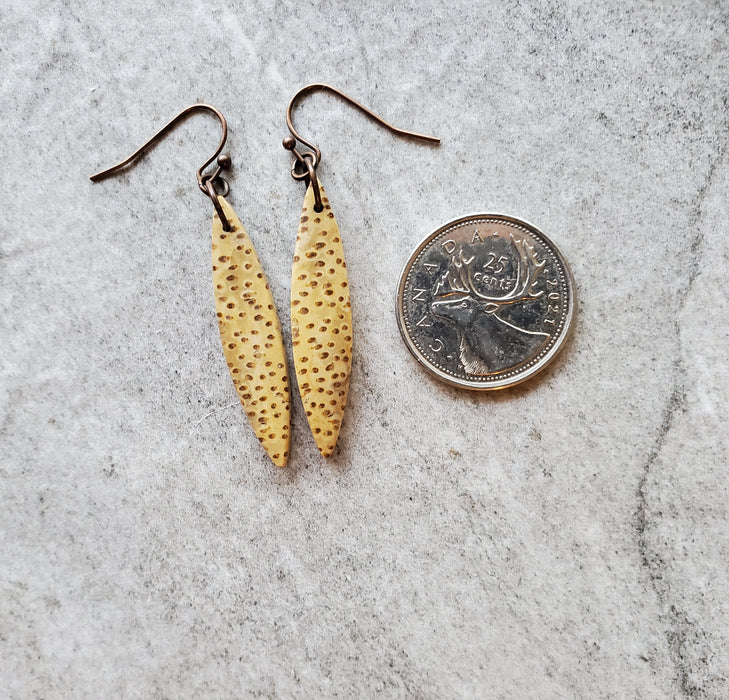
321	321
564	539
251	335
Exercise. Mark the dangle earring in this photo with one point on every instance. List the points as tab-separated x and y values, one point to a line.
321	315
247	318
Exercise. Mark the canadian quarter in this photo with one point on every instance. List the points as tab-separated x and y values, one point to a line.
485	302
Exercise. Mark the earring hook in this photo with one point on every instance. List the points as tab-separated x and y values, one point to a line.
314	156
206	182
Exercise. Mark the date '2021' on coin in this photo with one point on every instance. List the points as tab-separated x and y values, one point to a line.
485	302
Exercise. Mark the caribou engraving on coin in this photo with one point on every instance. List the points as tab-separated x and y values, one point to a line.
485	302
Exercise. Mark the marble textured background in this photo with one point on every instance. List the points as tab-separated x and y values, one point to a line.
564	539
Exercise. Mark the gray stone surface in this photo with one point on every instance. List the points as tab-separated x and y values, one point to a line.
564	539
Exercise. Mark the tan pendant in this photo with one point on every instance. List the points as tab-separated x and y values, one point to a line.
321	321
251	335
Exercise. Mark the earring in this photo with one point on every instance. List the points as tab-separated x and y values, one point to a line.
321	314
247	318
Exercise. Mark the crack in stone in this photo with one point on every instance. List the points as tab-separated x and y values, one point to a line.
697	242
682	634
680	629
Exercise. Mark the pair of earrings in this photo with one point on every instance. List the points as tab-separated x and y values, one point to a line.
321	316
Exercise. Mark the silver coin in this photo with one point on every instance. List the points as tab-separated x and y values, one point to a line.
485	302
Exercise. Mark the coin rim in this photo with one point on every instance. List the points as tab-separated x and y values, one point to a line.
506	382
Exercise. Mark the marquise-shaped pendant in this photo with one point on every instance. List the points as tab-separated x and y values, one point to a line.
321	321
251	335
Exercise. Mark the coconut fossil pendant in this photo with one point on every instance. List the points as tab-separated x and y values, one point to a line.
251	335
321	321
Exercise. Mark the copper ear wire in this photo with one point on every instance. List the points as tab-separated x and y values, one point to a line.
304	167
205	181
